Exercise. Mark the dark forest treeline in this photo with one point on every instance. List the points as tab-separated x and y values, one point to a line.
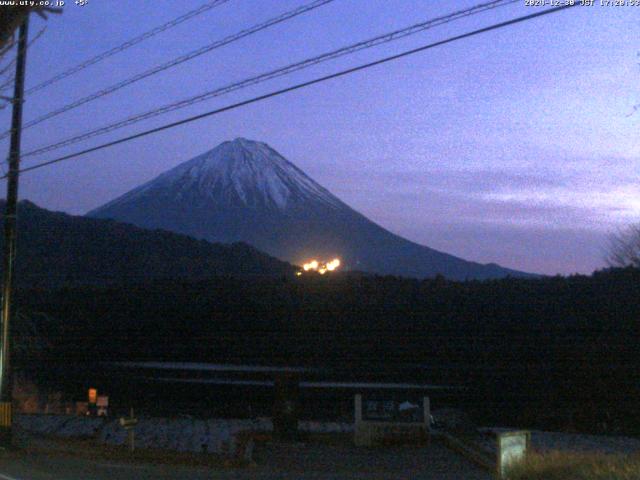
57	249
303	319
565	344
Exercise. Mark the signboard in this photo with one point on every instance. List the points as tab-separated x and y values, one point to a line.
512	448
128	423
390	410
395	419
102	406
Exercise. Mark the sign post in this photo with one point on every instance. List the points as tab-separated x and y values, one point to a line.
129	424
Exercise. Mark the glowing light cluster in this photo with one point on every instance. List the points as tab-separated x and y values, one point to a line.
312	265
321	268
333	264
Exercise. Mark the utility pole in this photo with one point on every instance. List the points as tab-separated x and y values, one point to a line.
6	379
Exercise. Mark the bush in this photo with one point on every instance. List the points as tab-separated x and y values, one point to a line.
576	466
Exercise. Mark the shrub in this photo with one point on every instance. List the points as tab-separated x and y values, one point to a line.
576	466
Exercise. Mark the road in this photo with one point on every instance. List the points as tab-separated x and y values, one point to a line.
273	461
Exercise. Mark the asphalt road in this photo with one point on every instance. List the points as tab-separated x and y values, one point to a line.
298	461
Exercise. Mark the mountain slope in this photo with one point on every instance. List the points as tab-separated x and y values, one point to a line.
56	248
245	191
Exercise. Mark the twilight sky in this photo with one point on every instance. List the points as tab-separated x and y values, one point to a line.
515	147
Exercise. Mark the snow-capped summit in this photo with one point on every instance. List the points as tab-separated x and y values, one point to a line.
244	190
239	172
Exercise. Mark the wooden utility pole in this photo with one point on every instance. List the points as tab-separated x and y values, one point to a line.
6	378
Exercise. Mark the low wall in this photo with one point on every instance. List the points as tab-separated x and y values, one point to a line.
219	436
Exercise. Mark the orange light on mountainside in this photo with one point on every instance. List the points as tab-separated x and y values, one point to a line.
320	267
312	265
333	264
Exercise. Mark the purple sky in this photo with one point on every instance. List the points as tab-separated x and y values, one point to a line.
514	147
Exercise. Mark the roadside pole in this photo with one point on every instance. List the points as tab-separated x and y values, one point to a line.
129	424
132	434
6	380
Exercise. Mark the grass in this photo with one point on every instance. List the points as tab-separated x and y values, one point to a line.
97	451
577	466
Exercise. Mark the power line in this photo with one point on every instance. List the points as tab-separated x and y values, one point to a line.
8	46
6	68
8	83
29	45
183	58
128	44
300	85
372	42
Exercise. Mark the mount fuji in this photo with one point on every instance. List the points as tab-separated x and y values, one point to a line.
245	191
